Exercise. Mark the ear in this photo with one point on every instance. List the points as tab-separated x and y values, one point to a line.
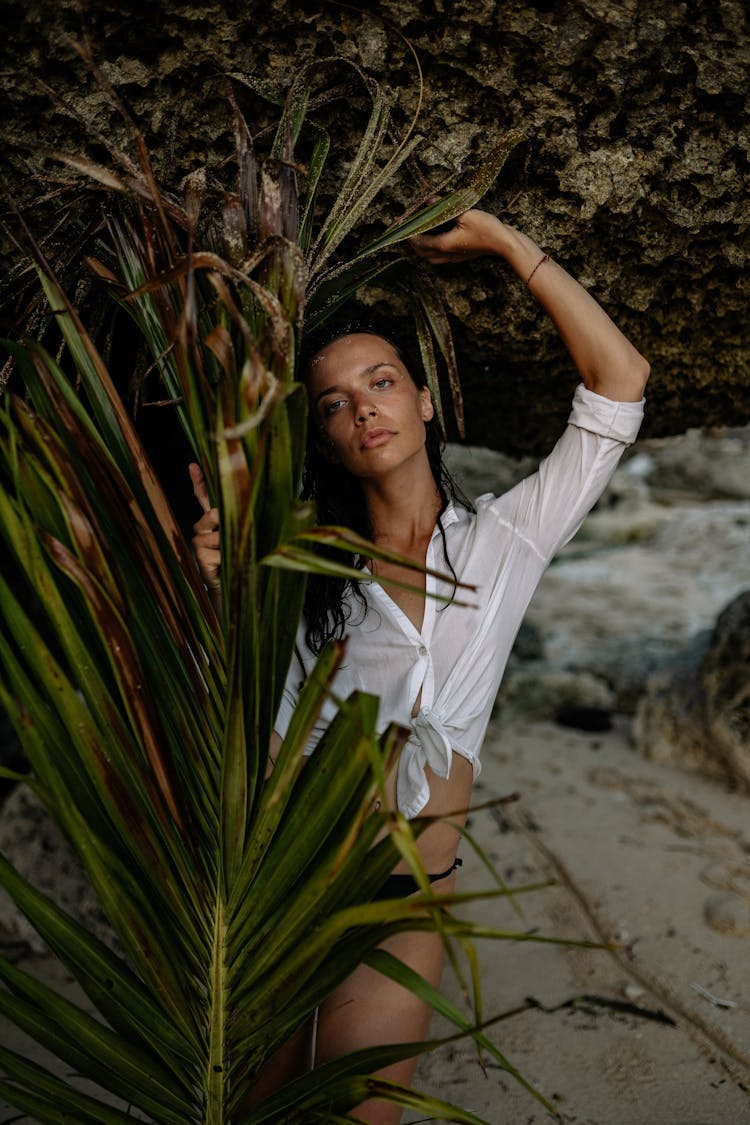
425	403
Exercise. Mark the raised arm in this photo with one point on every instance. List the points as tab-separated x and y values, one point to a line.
607	362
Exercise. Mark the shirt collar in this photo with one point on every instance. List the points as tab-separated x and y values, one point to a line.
447	517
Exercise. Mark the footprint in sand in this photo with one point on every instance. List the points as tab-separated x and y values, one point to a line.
728	913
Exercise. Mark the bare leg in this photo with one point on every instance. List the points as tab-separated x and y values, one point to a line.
291	1060
369	1009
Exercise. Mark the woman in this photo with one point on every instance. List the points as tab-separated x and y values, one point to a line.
438	669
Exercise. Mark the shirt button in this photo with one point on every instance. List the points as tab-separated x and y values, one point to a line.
422	650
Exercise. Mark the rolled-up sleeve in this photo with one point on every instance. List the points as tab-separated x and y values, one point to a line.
547	508
599	415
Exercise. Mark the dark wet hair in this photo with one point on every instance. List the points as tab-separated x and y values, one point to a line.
339	499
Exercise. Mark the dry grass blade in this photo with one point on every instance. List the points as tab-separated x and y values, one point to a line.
436	318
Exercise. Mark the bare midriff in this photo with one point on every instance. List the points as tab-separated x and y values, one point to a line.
449	800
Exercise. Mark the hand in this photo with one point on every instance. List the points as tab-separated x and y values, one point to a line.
206	537
474	233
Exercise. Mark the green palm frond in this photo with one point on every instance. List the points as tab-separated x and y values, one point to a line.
237	900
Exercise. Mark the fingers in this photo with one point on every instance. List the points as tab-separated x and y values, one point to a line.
443	228
206	531
470	235
431	248
200	491
206	547
209	521
445	245
428	246
209	564
439	240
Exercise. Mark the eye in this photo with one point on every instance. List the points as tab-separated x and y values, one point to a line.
332	407
382	383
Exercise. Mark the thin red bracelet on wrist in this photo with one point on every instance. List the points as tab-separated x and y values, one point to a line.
541	262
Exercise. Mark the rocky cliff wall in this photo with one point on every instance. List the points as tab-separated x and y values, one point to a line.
634	173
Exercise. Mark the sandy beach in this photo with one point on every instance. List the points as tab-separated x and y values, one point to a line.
645	857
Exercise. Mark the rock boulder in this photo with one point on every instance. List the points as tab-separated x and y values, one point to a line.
699	718
633	173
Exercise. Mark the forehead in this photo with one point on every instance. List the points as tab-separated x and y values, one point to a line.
350	355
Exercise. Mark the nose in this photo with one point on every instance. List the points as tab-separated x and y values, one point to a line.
365	408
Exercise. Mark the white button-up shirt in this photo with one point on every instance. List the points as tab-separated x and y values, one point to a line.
458	658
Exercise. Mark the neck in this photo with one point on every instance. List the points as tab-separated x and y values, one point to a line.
402	508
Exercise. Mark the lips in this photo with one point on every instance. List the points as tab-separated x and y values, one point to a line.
374	438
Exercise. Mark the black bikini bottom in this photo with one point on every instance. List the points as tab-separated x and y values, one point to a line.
399	886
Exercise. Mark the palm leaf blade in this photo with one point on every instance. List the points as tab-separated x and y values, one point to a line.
453	205
107	980
37	1083
88	1045
239	900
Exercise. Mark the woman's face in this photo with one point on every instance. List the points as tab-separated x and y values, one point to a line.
370	414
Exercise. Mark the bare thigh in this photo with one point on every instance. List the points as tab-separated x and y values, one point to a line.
291	1060
368	1009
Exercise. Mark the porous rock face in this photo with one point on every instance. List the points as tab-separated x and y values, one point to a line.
700	717
634	172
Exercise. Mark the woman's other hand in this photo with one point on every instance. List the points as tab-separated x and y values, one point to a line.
206	532
472	234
